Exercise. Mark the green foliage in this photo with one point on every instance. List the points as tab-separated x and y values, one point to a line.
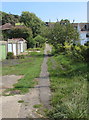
37	106
32	28
69	78
20	56
66	21
44	31
69	88
39	41
75	52
61	33
32	21
21	101
31	42
22	32
10	55
9	18
29	67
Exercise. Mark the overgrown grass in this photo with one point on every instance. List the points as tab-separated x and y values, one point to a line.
69	88
29	67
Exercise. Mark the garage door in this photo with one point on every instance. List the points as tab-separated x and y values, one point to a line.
9	47
14	49
19	50
21	47
2	52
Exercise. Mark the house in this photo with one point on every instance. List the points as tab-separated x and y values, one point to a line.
5	29
81	26
6	26
9	26
16	45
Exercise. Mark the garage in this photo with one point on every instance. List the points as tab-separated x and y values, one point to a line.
3	50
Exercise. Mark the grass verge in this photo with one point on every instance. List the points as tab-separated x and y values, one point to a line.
69	88
29	67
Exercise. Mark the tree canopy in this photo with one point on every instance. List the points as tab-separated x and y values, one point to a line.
32	21
8	18
22	32
61	33
39	41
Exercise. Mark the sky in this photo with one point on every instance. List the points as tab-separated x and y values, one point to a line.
50	10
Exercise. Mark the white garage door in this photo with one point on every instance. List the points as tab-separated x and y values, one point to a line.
9	47
21	47
14	49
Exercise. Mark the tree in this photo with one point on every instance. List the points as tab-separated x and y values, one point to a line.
22	32
61	33
32	21
66	21
39	41
44	31
8	18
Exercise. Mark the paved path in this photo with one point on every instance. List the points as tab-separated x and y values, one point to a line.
7	81
44	81
9	106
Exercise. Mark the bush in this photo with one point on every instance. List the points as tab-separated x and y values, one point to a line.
39	41
78	52
10	55
20	56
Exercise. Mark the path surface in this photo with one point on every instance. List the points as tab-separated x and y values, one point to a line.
44	83
40	94
7	81
9	106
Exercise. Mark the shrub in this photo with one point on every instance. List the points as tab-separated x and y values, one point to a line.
20	56
10	55
39	41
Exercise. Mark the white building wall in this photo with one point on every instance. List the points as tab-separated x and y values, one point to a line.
88	11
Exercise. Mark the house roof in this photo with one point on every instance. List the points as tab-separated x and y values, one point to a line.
3	42
6	26
16	40
81	25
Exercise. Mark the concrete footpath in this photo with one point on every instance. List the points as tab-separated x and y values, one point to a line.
44	83
40	94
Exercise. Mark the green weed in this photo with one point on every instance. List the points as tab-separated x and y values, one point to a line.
69	87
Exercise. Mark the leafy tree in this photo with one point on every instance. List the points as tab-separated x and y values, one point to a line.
61	33
44	31
8	18
31	20
66	21
30	42
22	32
39	41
